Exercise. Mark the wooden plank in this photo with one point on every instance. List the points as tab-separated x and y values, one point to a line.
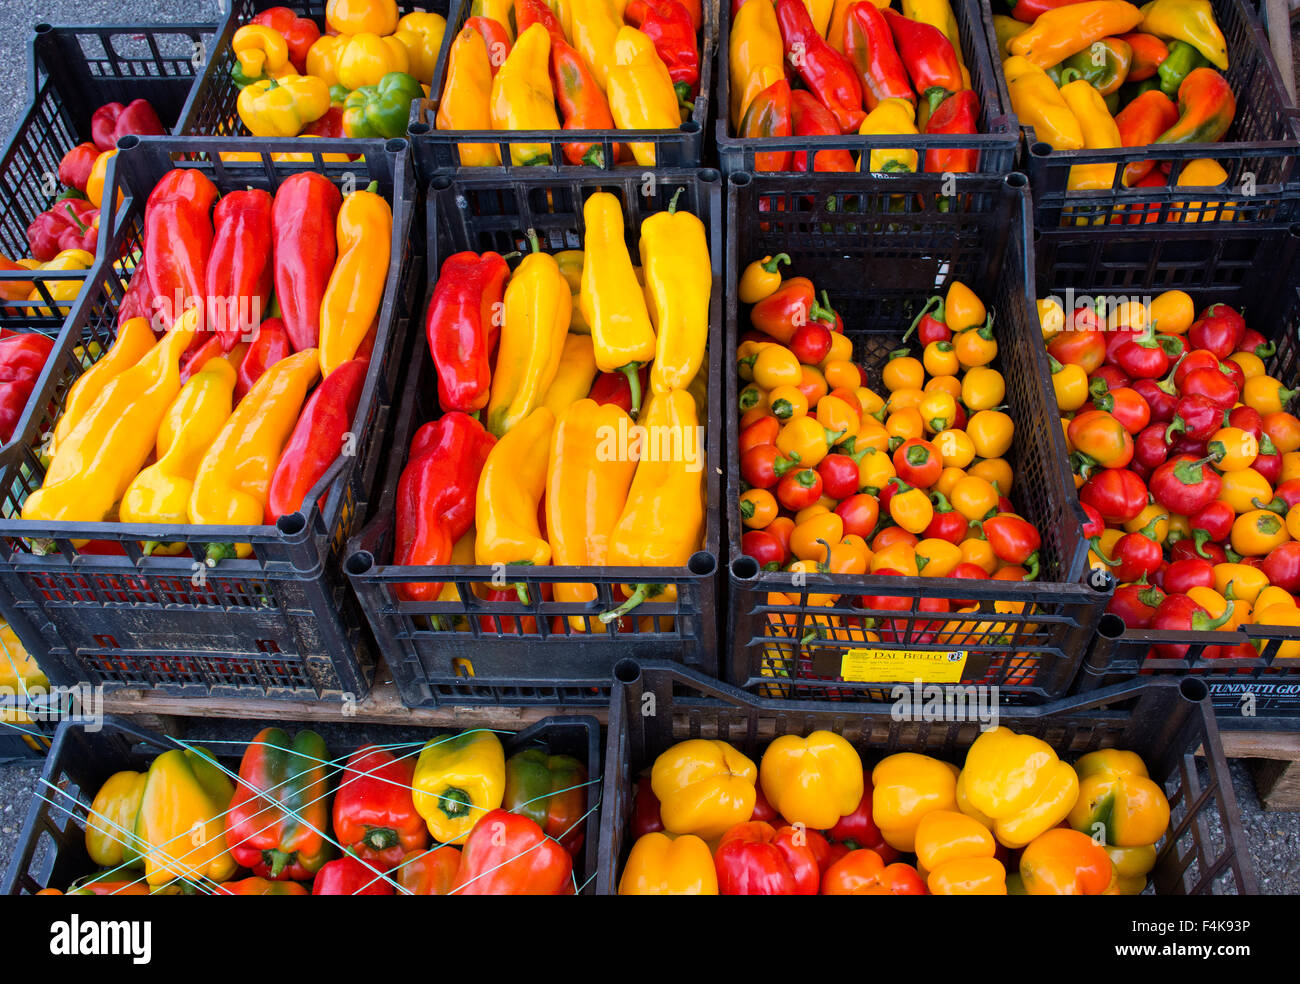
1278	784
1282	745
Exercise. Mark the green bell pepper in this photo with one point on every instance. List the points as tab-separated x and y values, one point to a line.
381	110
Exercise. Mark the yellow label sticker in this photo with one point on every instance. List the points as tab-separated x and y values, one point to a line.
902	665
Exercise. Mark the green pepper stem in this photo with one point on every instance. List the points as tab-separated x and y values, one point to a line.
642	593
634	383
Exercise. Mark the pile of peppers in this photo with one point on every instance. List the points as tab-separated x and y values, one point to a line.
1106	74
357	78
236	307
580	65
454	816
811	819
1187	462
864	69
840	480
544	374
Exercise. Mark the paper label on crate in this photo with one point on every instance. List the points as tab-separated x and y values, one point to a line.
902	665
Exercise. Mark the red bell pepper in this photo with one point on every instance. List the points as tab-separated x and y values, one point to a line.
22	357
869	46
320	436
75	168
329	126
1137	556
350	876
462	325
827	73
645	810
300	33
667	23
259	886
68	225
551	790
770	114
178	243
302	221
1218	330
928	56
374	814
507	854
429	872
858	829
812	119
113	121
1185	485
957	114
1116	493
269	347
1013	540
754	858
1181	576
436	495
863	872
278	820
239	269
1196	417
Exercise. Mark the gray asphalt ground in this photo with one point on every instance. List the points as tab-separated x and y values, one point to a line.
1274	838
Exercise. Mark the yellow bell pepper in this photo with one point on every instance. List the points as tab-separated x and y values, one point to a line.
595	27
364	59
704	787
362	16
262	53
510	489
611	299
1191	21
522	97
161	493
1132	865
905	787
458	779
576	372
323	57
1203	172
957	851
1018	782
891	116
537	309
234	476
181	825
110	838
814	780
1039	103
356	286
110	444
661	865
1118	800
63	290
755	49
640	91
679	280
1100	132
466	97
421	34
282	107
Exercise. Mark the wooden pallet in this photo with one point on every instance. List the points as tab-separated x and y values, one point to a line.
1274	761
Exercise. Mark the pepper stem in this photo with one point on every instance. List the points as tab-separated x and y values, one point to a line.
774	263
277	860
634	383
380	838
455	802
672	204
643	592
916	322
217	552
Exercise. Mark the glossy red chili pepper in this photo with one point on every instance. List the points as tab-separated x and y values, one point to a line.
1138	555
763	466
1211	524
928	56
1282	566
1186	549
1150	450
178	243
860	513
1161	398
947	523
1014	540
1185	485
764	548
918	463
68	225
869	47
1252	341
811	342
1112	375
112	121
812	119
801	488
760	432
792	305
827	73
838	478
269	347
1116	493
958	114
1144	356
970	572
858	830
1196	417
1214	385
321	435
1218	329
462	325
612	388
1179	613
885	602
1136	604
239	269
1180	576
303	217
1268	464
1123	403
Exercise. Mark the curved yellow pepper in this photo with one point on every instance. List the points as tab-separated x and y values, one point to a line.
181	825
364	59
261	52
63	290
522	97
1018	782
421	34
1191	21
362	16
466	97
814	780
161	493
678	282
282	107
458	779
1100	132
576	372
905	787
661	865
356	286
640	91
510	489
704	787
234	477
755	49
595	25
1039	103
1118	800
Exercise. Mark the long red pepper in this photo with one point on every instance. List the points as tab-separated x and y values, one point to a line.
436	495
771	114
928	56
582	104
239	270
135	302
178	243
21	359
319	437
530	12
462	324
812	119
828	74
302	221
869	46
269	347
667	23
495	37
958	114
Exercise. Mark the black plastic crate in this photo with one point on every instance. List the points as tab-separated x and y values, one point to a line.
210	110
23	743
73	71
1256	270
490	661
1171	725
280	623
51	849
436	149
880	248
1258	152
996	143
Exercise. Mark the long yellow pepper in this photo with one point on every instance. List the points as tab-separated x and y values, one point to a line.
234	477
356	287
510	490
522	97
640	91
466	96
575	375
1100	132
755	45
595	25
678	279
